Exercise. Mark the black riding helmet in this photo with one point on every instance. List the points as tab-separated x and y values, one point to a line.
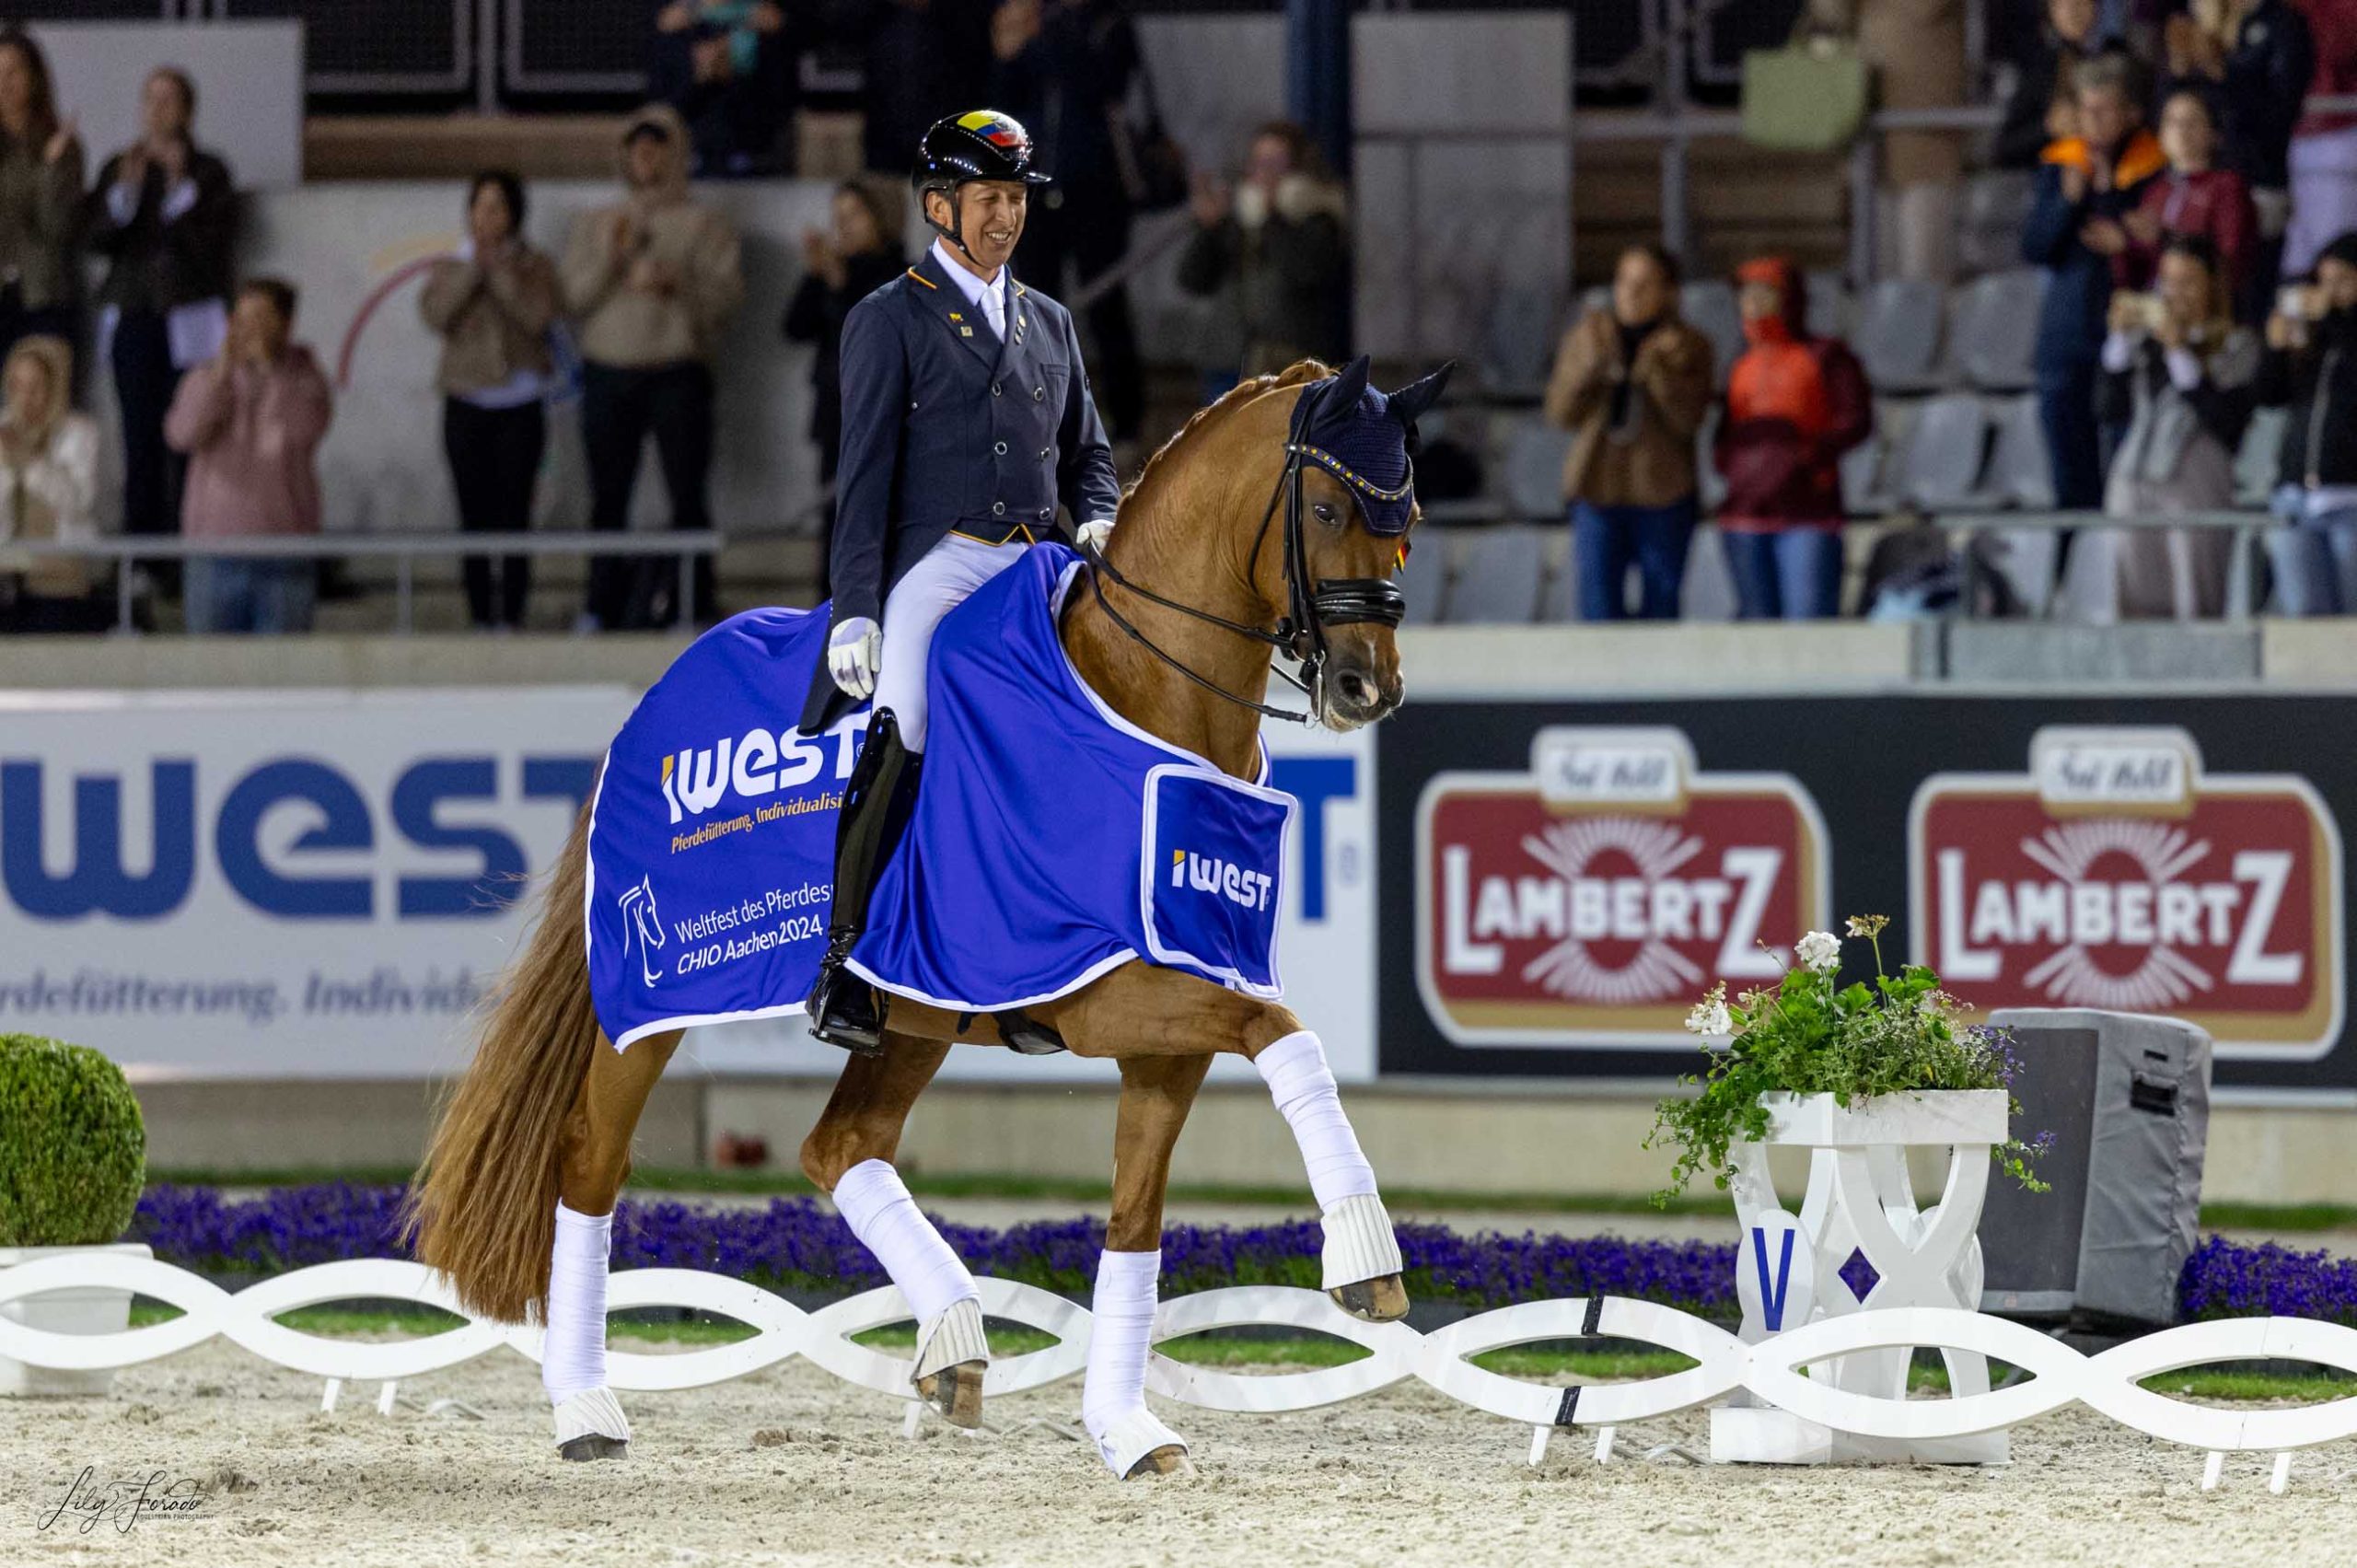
984	144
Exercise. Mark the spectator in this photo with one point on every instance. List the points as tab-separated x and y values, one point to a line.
2090	181
2190	197
251	422
654	280
2311	368
1794	404
1282	239
165	215
49	490
1917	50
1065	69
1634	383
40	199
2324	145
2255	57
2179	374
923	59
840	271
727	67
2044	108
493	305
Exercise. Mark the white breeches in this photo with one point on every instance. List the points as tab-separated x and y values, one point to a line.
937	585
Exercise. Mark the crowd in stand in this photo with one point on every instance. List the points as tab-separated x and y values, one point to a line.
2197	231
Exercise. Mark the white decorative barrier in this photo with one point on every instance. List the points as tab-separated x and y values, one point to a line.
1772	1371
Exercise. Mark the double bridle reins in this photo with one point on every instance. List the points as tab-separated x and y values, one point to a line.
1311	608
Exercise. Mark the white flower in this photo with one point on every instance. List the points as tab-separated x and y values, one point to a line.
1821	952
1710	1016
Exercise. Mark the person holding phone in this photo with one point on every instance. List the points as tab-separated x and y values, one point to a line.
2310	369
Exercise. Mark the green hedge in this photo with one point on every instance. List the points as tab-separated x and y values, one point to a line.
73	1147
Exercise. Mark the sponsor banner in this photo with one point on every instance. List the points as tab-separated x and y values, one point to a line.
320	884
2116	873
1586	901
1582	871
298	885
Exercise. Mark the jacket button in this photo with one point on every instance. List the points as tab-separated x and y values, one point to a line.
1043	454
998	508
999	447
1046	512
1038	394
997	390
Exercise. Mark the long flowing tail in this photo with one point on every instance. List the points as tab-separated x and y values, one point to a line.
482	1208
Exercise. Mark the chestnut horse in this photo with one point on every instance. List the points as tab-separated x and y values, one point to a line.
1226	533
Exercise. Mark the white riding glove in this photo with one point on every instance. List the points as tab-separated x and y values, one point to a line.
1091	537
854	653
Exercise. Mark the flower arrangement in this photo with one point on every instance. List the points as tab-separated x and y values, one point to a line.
1810	1035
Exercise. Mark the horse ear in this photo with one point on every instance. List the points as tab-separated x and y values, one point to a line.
1411	402
1341	399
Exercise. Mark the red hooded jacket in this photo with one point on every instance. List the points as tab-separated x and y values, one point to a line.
1794	404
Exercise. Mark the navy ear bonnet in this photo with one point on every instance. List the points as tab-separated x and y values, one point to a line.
1366	439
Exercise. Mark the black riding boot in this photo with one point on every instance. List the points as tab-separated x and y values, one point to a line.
845	1009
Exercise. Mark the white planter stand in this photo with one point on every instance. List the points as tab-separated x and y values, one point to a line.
81	1310
1859	1199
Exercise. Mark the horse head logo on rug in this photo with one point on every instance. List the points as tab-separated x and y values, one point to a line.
1095	861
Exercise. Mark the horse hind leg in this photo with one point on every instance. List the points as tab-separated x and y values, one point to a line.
593	1163
1157	1093
849	1154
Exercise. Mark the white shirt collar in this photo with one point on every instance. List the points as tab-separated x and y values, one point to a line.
972	287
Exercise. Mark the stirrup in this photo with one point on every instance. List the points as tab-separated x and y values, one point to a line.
591	1425
844	1010
1134	1436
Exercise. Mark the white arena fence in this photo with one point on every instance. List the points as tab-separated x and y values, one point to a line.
1770	1372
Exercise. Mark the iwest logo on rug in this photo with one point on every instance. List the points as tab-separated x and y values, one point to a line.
1587	902
2117	872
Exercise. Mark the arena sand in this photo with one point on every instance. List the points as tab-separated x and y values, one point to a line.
790	1466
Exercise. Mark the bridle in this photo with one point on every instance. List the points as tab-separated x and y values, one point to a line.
1311	608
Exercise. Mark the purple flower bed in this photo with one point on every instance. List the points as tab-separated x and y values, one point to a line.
798	1243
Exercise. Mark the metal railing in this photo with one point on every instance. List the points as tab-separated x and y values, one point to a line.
403	549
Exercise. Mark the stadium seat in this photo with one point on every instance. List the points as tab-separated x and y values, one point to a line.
1829	303
2019	472
1711	486
1424	579
1995	336
1996	205
1710	308
1939	465
1497	575
2255	460
1534	470
1709	591
1869	469
1559	597
1898	335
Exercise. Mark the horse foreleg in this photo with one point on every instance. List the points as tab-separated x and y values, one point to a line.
1140	1011
849	1154
593	1161
1157	1093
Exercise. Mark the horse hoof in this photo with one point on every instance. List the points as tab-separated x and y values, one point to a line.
956	1392
594	1445
1169	1459
1381	1300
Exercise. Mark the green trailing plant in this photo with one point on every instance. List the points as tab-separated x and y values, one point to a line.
1809	1035
73	1146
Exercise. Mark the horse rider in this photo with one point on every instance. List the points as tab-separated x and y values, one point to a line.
966	418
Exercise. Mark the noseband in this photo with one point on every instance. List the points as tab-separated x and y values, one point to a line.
1311	608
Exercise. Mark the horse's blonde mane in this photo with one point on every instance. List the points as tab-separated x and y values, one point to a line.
1298	373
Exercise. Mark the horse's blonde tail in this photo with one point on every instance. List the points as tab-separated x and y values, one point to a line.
482	1208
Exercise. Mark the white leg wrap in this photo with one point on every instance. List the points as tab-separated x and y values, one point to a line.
572	1351
888	1222
595	1410
1360	1242
951	1339
1112	1401
1303	1086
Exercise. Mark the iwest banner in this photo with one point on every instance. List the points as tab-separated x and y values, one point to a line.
324	884
1582	872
